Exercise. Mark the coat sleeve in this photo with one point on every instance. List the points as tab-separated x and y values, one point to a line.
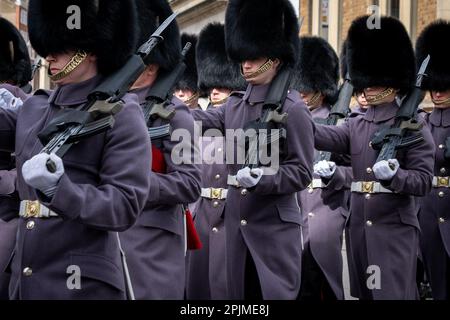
333	138
181	183
213	118
295	169
123	178
415	174
341	179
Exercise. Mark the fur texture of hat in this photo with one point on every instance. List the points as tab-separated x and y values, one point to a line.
433	42
107	29
15	65
151	13
261	28
381	57
317	68
215	70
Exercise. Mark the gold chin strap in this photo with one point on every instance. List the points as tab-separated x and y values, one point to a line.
382	95
219	102
314	99
191	99
263	68
439	103
76	60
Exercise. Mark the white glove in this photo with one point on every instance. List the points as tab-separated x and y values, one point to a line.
249	177
8	101
385	170
325	168
36	174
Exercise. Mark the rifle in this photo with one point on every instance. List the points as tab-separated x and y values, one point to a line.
97	115
34	68
338	113
159	96
390	139
270	119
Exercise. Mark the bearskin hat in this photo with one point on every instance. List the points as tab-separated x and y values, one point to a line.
380	56
189	78
15	65
317	68
261	28
430	43
215	70
151	13
106	28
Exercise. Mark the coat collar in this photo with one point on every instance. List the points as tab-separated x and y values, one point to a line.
440	117
256	94
382	112
73	94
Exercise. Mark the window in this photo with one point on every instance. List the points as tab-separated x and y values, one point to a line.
324	18
394	8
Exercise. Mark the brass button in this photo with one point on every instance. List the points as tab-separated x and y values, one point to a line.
217	177
30	225
370	144
367	196
441	194
441	220
441	146
27	272
215	230
216	204
311	215
243	223
369	170
443	170
310	190
369	223
220	150
244	192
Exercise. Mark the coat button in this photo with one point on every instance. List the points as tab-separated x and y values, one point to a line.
369	170
217	177
370	144
30	225
219	150
310	190
441	194
441	146
216	204
369	223
311	215
441	220
215	230
243	223
244	192
367	196
443	170
27	272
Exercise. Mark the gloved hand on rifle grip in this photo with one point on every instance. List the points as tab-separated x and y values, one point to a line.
36	174
249	177
325	169
386	170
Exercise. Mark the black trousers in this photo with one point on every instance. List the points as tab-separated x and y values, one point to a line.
314	286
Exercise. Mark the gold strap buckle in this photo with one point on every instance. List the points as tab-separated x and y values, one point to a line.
368	186
32	209
442	182
216	193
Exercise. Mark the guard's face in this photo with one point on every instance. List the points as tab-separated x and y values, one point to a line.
361	99
219	94
312	99
250	67
85	71
183	94
372	92
441	99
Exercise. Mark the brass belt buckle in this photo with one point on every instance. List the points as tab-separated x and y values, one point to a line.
442	181
32	209
216	193
367	186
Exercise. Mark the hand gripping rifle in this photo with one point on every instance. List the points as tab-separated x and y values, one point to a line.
265	129
97	115
389	140
159	95
338	113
